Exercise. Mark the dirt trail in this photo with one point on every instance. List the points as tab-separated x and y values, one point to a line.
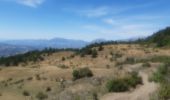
141	93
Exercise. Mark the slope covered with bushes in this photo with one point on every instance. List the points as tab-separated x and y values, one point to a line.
32	56
160	38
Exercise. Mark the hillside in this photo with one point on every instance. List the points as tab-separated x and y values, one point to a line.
113	70
88	74
160	38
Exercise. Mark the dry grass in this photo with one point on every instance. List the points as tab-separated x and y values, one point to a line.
60	79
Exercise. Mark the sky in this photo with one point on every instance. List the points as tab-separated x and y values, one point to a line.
82	19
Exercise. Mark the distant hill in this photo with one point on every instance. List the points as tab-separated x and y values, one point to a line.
12	47
98	41
53	43
160	38
8	50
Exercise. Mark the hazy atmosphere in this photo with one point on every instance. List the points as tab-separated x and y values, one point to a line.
84	49
82	19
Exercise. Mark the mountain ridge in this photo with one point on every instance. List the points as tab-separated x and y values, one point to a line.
12	47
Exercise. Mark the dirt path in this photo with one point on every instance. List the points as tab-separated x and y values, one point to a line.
141	93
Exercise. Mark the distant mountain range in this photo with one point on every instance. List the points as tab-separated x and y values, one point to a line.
12	47
8	50
53	43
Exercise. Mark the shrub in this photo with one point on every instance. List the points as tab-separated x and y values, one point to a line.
10	79
164	91
41	96
48	89
82	72
159	76
116	85
130	60
72	56
100	48
26	93
95	96
162	76
30	78
76	74
94	53
62	66
82	55
133	80
38	77
124	84
146	64
63	59
117	55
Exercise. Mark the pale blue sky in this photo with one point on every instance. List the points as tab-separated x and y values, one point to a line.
82	19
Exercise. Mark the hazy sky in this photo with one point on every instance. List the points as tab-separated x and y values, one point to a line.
82	19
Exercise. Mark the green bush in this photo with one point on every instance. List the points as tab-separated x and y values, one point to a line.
76	74
130	60
133	80
159	75
63	59
95	96
164	91
82	72
41	96
94	53
48	89
162	76
100	48
63	66
146	64
117	55
26	93
124	84
30	78
116	85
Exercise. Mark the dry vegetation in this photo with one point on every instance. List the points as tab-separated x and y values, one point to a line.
52	78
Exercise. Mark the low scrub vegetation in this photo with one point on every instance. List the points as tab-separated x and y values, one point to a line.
32	56
124	84
164	91
48	89
63	66
89	51
63	59
162	76
101	48
82	72
159	76
146	64
94	53
26	93
115	56
41	96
